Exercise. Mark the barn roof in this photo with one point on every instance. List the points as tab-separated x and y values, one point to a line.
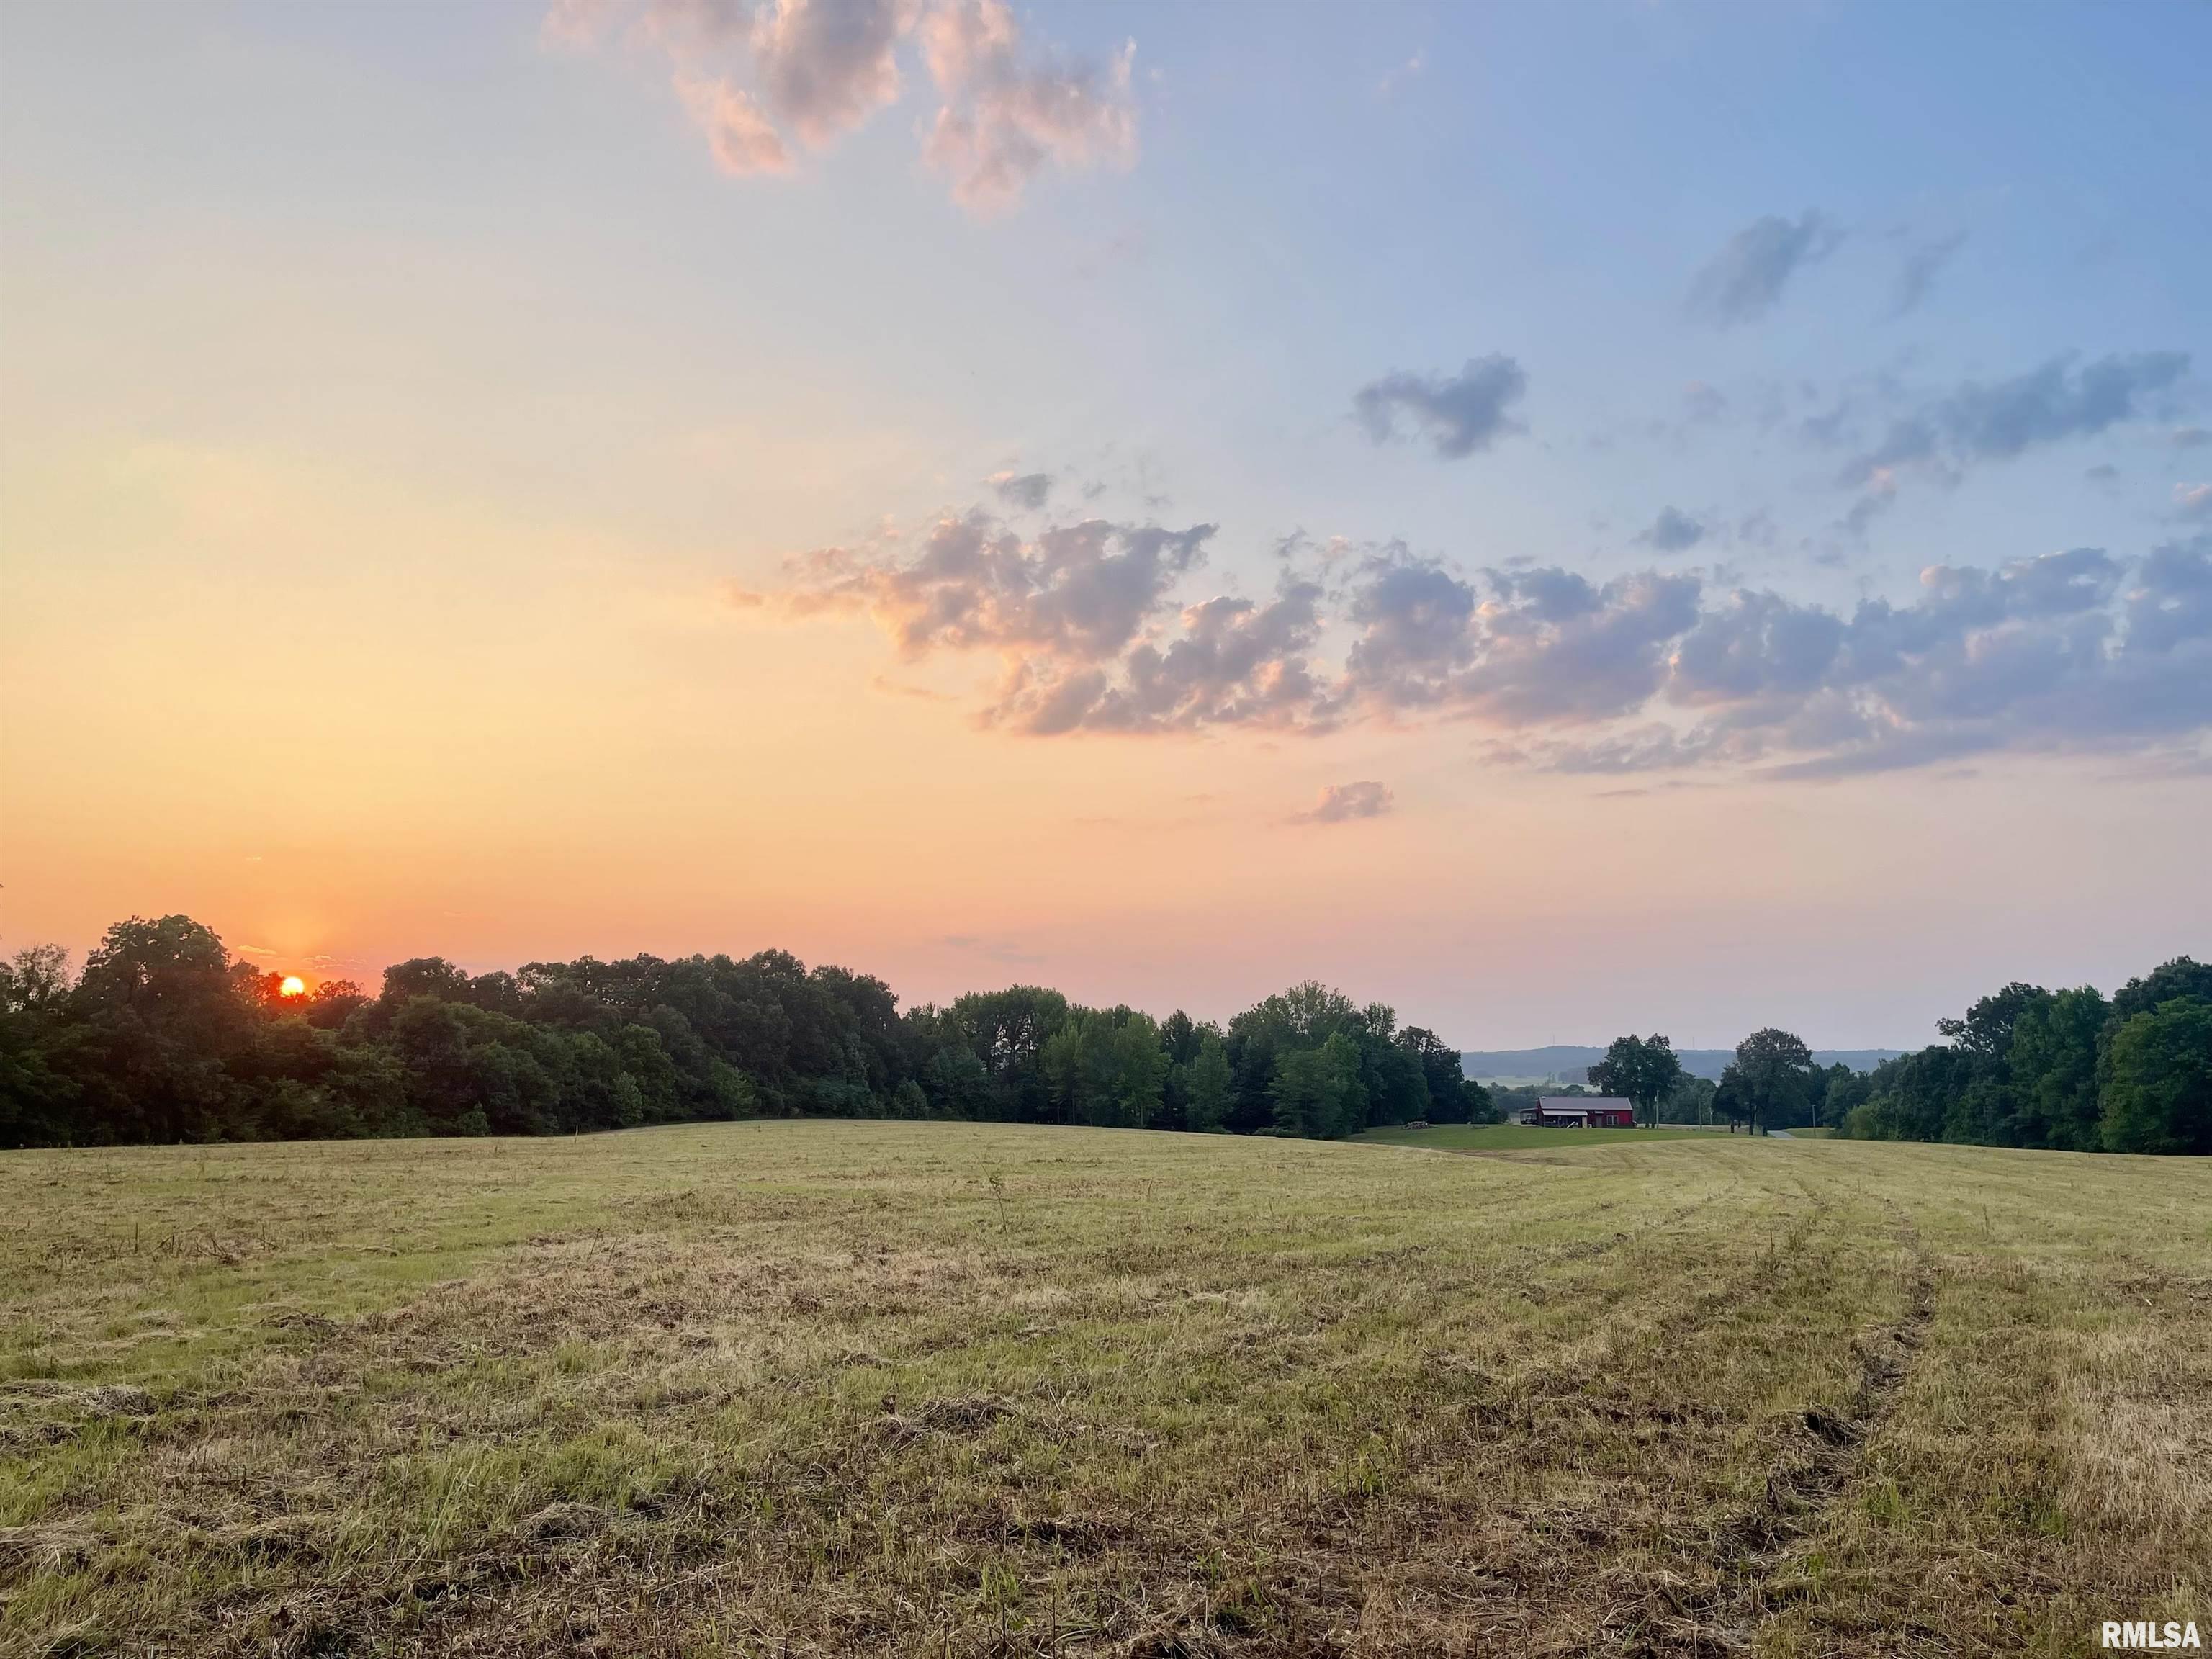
1584	1102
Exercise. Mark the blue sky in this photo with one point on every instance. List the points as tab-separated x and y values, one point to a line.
1685	333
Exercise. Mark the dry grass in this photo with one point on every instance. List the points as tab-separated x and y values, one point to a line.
827	1388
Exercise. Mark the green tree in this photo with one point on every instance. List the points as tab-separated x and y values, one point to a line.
1988	1027
2158	1097
1845	1091
1181	1037
1690	1101
1206	1085
958	1084
2053	1067
163	1015
1643	1070
1008	1030
37	1096
1773	1074
1397	1089
1304	1017
1452	1097
1106	1067
1911	1097
1730	1098
1317	1091
2184	977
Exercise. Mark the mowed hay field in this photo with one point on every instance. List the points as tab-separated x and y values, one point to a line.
806	1389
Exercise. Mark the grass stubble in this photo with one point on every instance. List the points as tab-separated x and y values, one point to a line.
809	1388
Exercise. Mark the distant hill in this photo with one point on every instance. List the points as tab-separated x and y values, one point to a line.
1569	1062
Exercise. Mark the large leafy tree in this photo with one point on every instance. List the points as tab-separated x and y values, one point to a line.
1452	1097
1773	1072
1317	1091
1988	1027
2184	977
1644	1069
1730	1098
2052	1067
38	1095
1910	1097
164	1014
1105	1066
2158	1098
1009	1029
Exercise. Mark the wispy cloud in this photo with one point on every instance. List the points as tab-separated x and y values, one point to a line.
749	75
1745	280
1027	490
738	136
1008	108
1341	803
1923	262
1460	414
1673	531
1002	951
1978	422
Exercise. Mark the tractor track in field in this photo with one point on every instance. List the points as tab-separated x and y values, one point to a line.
1803	1488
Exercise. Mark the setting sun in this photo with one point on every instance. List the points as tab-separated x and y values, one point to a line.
294	986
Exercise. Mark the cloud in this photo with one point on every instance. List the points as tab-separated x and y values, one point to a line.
1743	281
1027	490
1459	414
1341	803
1008	111
2064	651
2056	402
2077	649
1673	531
1543	645
1082	620
1917	274
825	66
2189	437
738	136
1222	662
1978	421
1702	403
998	951
1877	495
1755	648
1078	592
2192	500
749	74
1556	649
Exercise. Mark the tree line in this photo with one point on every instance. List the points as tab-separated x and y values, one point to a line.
163	1037
2069	1069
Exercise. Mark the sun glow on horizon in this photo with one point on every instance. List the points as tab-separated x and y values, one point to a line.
294	986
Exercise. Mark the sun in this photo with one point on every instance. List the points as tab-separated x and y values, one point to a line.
294	986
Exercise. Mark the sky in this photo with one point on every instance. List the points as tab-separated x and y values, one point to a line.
1565	519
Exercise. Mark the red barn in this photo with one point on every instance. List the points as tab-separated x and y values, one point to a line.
1581	1112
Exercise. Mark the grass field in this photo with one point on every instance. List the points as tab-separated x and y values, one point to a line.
1515	1137
813	1389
